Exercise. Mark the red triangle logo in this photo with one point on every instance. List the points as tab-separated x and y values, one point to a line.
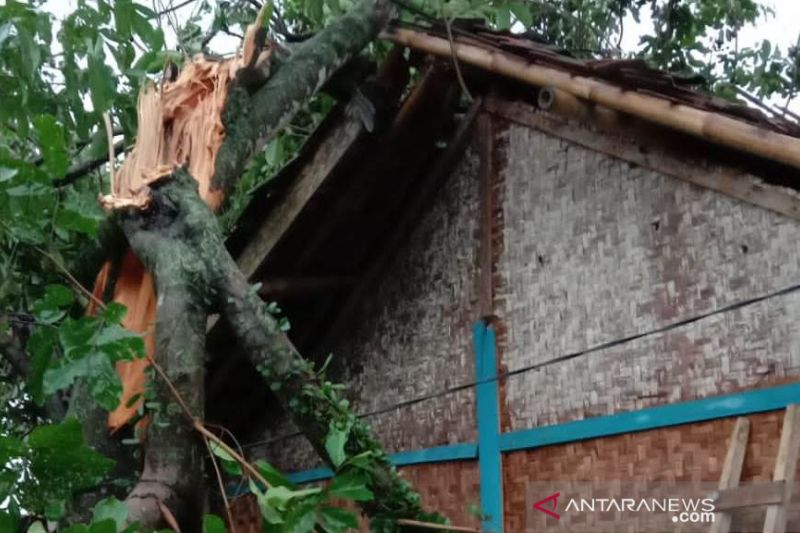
540	505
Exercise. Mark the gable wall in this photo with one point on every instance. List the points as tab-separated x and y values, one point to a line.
587	250
411	338
597	250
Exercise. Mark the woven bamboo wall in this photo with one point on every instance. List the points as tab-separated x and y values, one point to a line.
447	488
412	338
595	250
586	250
692	452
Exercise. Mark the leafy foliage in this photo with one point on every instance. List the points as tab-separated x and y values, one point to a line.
285	507
87	347
42	471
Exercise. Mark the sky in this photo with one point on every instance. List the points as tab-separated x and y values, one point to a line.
782	28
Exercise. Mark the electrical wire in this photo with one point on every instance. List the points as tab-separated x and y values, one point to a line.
560	359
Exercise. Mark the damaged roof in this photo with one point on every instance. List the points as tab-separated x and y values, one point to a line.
628	74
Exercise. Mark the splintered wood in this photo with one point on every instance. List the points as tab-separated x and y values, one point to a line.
180	125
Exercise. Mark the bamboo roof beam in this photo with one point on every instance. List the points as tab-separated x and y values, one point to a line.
707	125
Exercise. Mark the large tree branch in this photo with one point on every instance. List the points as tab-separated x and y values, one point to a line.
178	223
314	407
178	240
171	245
251	119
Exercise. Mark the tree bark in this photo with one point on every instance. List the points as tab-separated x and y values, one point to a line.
251	119
178	239
169	239
184	227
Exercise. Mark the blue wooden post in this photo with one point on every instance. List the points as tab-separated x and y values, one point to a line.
488	414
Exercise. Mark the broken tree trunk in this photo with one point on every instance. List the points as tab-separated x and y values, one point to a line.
173	466
186	229
175	235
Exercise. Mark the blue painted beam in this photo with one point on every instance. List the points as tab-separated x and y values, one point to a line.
490	466
307	476
738	404
439	454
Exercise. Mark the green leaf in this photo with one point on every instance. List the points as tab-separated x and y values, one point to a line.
104	384
78	334
502	15
335	519
315	10
50	309
11	448
114	312
213	524
229	464
280	497
102	84
335	442
40	346
79	213
103	526
95	365
272	475
37	527
111	509
522	12
54	509
9	521
362	460
123	13
151	35
6	174
303	520
351	485
61	462
52	144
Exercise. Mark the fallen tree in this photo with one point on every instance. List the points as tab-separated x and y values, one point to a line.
197	129
173	231
166	262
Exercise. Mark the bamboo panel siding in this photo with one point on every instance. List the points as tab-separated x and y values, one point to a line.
596	250
412	337
448	488
692	452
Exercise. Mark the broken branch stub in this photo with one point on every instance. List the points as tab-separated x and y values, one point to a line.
195	136
203	277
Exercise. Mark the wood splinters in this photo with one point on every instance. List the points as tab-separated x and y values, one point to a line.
179	125
109	202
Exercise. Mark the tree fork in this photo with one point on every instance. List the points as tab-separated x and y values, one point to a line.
168	239
177	238
179	223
